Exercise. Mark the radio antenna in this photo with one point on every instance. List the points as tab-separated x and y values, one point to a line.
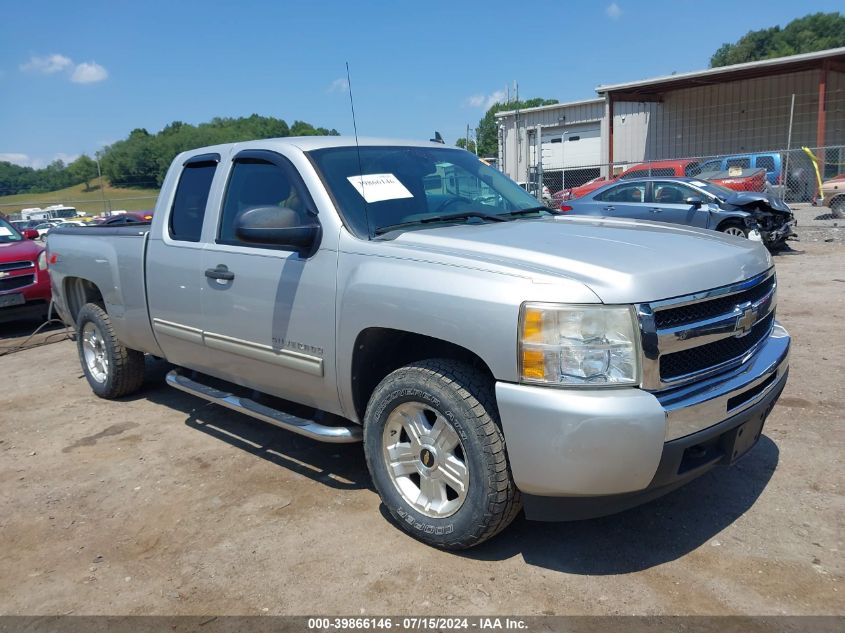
357	148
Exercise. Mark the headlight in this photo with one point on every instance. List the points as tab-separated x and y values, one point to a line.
578	345
42	261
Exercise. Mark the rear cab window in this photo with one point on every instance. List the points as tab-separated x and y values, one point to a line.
742	163
766	162
191	198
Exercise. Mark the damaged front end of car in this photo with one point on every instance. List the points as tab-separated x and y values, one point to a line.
774	219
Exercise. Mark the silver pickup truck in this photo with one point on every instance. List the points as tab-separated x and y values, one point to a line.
490	354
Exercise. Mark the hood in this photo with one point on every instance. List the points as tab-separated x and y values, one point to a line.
19	251
621	261
745	198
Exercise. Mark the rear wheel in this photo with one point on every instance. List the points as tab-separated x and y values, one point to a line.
837	207
436	454
112	370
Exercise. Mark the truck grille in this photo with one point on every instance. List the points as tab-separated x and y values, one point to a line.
707	309
704	357
700	335
5	266
13	283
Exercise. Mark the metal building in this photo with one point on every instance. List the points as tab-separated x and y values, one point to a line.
774	104
564	136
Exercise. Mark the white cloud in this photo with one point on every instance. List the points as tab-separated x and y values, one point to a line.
485	101
46	65
88	73
338	85
84	73
613	11
15	158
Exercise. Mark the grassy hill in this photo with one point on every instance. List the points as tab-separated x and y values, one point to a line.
89	201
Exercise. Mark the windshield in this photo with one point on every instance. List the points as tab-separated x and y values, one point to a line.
412	184
713	189
8	233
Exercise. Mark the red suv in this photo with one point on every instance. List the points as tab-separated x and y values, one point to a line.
24	282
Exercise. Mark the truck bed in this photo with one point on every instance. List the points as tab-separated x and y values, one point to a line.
111	258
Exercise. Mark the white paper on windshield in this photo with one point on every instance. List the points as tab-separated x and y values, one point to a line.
698	183
4	232
379	187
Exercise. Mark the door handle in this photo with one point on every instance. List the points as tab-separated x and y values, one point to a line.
655	210
609	209
221	272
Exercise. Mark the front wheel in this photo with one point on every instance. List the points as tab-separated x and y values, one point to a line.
837	207
737	230
436	454
112	370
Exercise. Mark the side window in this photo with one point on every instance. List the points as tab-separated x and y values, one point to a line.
692	169
743	163
256	183
663	171
633	173
633	192
673	193
188	209
710	165
766	162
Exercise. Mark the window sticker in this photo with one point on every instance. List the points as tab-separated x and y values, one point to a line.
4	232
379	187
698	183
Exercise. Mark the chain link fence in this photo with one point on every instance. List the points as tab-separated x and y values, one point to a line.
791	175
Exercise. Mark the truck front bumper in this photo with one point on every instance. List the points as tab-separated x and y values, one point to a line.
582	453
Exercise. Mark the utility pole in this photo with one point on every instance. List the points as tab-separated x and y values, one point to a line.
100	178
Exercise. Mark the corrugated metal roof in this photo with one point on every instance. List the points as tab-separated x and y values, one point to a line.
553	106
724	73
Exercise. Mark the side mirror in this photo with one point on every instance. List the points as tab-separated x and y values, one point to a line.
30	234
280	226
694	201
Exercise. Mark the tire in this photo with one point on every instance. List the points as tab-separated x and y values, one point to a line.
111	369
445	404
735	229
837	207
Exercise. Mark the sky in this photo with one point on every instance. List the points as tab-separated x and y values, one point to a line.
75	76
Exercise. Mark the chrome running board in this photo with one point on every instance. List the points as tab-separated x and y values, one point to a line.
308	428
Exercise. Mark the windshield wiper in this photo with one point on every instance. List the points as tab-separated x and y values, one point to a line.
447	217
530	210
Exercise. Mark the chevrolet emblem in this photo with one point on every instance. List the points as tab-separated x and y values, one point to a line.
745	322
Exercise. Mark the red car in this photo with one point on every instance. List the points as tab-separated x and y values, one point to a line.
24	282
685	167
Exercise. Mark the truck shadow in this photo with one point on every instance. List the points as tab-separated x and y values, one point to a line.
640	538
339	466
643	537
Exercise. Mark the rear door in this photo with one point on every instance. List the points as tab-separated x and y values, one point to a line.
269	321
174	273
625	200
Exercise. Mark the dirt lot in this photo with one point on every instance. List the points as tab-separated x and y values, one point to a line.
163	504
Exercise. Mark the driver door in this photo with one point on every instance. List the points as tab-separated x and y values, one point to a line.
669	204
269	311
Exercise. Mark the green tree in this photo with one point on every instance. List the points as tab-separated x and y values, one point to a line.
462	143
83	169
486	132
814	32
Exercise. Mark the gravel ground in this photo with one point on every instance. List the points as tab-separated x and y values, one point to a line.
817	224
162	504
